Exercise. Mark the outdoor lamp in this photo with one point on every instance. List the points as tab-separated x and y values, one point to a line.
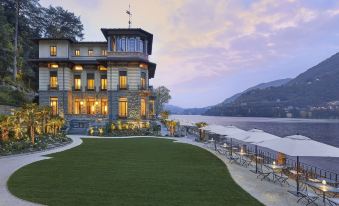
273	162
96	102
225	145
324	182
81	103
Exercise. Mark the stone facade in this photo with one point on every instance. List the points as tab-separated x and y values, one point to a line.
77	63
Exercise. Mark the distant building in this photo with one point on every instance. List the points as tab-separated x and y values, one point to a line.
90	81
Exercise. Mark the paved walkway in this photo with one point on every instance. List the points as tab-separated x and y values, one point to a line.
266	192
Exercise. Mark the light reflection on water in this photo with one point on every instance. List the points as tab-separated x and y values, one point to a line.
326	131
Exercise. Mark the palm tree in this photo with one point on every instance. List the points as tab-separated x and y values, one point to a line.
44	114
4	125
16	122
30	116
55	123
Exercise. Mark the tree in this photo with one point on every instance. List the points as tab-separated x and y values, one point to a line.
6	47
30	116
60	23
162	97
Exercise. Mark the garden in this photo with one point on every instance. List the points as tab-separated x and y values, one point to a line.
29	129
133	171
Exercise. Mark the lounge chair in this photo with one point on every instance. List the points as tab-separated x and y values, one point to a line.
309	196
263	174
333	201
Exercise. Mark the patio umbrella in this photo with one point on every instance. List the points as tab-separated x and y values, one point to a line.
298	145
257	136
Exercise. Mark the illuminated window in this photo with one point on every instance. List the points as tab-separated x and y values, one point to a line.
104	107
53	66
77	52
90	104
90	52
90	81
77	106
143	80
122	79
53	50
53	79
103	82
78	67
104	52
54	105
102	68
143	107
123	107
151	107
113	45
77	82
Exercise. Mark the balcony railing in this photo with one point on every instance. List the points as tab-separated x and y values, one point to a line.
142	87
90	89
122	87
127	54
76	89
53	87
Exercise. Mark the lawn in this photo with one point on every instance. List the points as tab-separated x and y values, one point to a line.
138	171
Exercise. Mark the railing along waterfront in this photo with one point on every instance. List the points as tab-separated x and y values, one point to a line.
307	170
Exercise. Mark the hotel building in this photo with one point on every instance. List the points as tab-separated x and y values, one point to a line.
98	81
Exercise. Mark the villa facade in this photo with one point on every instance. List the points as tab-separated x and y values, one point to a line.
98	81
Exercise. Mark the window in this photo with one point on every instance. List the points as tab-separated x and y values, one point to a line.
77	52
103	82
122	79
103	52
141	46
77	106
143	107
113	45
77	82
90	104
131	45
53	50
143	81
54	105
53	79
151	107
123	44
90	81
104	107
90	52
123	107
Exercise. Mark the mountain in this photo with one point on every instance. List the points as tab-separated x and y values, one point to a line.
198	111
185	111
312	94
275	83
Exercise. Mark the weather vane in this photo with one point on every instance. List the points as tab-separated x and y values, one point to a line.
129	15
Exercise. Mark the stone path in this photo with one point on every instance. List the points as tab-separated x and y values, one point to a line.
266	192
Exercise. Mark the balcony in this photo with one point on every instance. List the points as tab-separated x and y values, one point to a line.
53	88
90	89
142	87
122	87
127	55
76	89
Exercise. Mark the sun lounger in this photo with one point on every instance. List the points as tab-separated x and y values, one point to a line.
263	174
310	197
333	201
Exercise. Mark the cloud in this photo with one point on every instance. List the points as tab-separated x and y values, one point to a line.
198	40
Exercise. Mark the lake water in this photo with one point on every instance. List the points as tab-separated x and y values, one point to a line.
326	131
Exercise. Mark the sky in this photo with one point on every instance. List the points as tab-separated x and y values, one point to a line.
208	50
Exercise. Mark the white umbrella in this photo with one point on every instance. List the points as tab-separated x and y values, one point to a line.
257	136
298	145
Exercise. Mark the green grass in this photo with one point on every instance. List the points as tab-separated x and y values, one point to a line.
139	171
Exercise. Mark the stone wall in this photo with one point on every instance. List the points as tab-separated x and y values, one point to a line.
6	110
